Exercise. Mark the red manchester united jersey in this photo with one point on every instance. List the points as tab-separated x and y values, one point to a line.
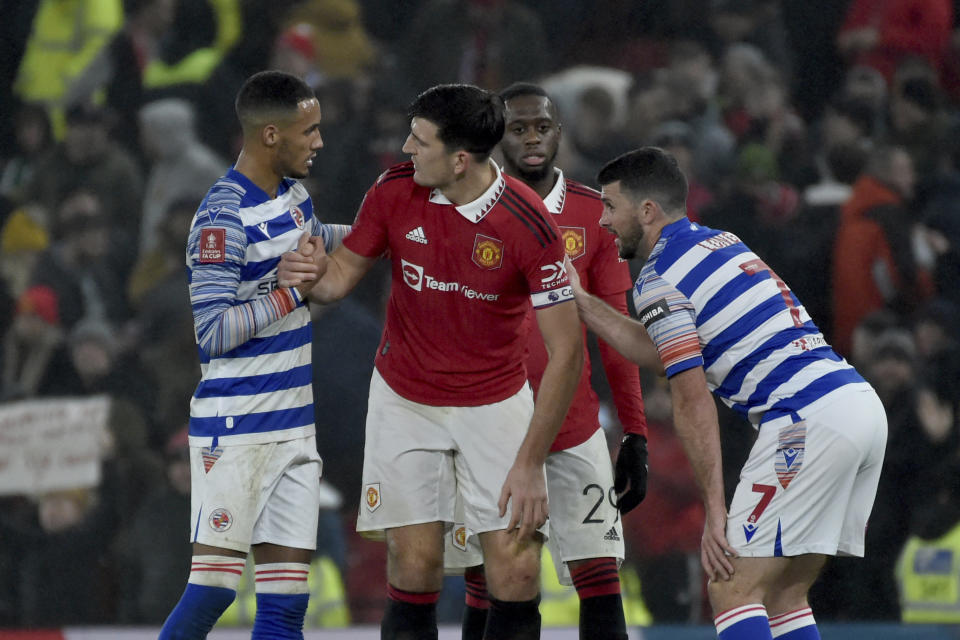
463	278
576	210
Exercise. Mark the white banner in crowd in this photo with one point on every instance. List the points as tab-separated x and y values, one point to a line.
52	444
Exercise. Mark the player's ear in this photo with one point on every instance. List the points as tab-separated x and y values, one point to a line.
461	160
648	209
269	135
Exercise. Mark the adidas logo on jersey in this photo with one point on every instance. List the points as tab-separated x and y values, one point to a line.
417	235
612	535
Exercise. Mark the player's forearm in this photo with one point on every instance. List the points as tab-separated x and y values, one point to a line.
695	422
559	382
623	333
337	281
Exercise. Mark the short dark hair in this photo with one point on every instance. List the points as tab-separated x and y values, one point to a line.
523	89
270	94
649	172
467	117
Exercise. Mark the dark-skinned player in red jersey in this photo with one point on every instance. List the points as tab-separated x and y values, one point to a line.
586	495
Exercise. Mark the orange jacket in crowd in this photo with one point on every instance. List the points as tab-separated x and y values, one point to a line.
867	276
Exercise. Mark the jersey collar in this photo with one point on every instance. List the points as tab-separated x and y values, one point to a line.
558	194
677	225
476	210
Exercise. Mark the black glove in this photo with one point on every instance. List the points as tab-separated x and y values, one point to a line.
631	468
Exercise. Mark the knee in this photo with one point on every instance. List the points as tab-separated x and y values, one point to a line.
514	578
414	567
728	594
779	602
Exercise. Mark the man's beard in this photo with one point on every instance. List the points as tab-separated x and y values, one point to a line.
535	174
630	242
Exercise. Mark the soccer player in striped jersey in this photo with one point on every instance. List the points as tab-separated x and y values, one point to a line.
722	321
450	411
255	470
586	536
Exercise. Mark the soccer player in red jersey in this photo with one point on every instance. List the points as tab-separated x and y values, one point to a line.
586	536
450	411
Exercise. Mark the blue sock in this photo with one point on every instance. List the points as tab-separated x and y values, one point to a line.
795	625
280	616
748	622
198	610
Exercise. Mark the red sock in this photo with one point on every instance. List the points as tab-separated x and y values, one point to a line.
596	577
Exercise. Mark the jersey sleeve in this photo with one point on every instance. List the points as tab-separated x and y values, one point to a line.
332	234
369	235
216	250
670	320
541	258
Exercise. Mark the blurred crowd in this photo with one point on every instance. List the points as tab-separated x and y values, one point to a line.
823	133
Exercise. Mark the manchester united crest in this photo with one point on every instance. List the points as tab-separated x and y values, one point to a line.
460	537
487	252
297	214
573	241
372	496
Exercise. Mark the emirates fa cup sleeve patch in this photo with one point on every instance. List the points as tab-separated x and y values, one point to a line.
213	245
372	496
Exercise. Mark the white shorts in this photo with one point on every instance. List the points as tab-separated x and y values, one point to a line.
256	493
809	483
584	523
418	457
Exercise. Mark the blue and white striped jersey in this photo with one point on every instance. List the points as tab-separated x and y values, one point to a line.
253	338
707	300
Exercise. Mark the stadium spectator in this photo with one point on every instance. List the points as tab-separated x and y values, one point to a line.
89	158
181	166
31	343
33	137
342	48
874	265
882	34
65	39
490	43
86	265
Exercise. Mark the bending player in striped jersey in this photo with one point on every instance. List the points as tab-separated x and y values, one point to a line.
254	465
586	536
722	321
